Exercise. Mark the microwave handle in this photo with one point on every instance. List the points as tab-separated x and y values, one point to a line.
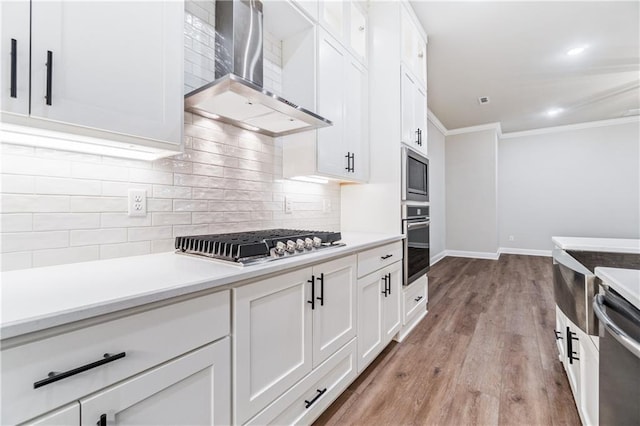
421	224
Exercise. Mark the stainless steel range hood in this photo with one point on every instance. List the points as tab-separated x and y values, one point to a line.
236	96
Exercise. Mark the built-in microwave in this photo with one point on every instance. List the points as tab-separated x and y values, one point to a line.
415	176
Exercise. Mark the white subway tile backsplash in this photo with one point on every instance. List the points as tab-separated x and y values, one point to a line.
110	251
55	221
15	261
14	203
122	220
150	233
65	255
18	222
99	204
97	236
63	207
170	218
49	185
23	241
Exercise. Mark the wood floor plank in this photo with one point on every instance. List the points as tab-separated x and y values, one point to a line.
484	354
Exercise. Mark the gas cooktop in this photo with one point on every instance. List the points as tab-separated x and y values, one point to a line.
247	248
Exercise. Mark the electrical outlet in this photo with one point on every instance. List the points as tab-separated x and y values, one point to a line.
288	205
137	202
512	238
326	205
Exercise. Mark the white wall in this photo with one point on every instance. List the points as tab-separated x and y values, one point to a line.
436	148
582	183
471	192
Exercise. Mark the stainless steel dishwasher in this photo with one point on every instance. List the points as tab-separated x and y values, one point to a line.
619	371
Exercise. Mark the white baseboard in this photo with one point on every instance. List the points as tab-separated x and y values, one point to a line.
526	252
438	257
473	254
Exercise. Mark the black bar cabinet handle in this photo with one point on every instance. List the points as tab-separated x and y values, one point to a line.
389	281
49	76
14	68
353	162
558	335
417	299
348	157
386	256
570	351
312	281
321	298
103	420
308	404
420	137
385	286
54	377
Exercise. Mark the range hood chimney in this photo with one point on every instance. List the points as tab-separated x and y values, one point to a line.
237	96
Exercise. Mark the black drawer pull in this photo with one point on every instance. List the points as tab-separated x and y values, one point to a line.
54	377
49	76
103	420
14	68
385	257
321	298
417	299
308	404
312	281
558	335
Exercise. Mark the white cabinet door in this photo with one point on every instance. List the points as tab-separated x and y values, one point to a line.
409	129
331	149
333	17
272	329
420	118
369	319
572	366
14	51
414	47
65	416
391	302
334	313
356	111
358	29
109	65
193	389
560	333
589	384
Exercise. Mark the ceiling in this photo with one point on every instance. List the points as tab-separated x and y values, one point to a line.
515	53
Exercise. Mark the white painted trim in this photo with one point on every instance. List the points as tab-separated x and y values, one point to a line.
438	257
436	122
473	254
568	127
490	126
526	252
404	331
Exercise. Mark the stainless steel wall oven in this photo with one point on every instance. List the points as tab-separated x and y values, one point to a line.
415	226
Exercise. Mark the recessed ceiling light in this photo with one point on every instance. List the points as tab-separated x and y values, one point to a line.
576	50
554	111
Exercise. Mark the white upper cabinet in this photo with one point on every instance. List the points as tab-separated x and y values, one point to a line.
413	109
347	22
107	70
414	46
14	51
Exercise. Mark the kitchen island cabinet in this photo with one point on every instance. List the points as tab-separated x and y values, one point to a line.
93	88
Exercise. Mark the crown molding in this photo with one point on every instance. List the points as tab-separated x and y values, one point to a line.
569	127
434	120
489	126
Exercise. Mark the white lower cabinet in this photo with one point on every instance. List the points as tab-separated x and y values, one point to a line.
286	326
194	389
379	311
305	401
580	358
414	306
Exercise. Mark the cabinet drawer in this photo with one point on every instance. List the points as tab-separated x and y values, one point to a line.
379	257
320	388
147	338
415	299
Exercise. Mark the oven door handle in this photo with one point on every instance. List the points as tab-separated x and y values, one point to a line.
623	338
421	224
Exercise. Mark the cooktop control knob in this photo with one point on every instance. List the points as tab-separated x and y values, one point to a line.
299	245
317	242
308	243
291	246
280	248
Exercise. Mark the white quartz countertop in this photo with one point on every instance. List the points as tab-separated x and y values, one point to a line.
625	282
608	245
36	299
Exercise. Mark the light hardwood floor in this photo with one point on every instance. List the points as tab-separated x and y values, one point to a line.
485	354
